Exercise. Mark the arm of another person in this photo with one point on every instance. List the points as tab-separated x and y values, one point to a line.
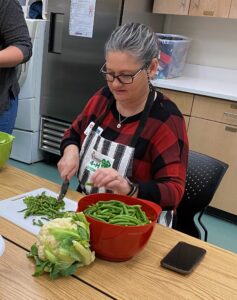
169	165
10	57
14	35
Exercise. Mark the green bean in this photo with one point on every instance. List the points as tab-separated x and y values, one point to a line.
125	223
138	213
43	205
126	217
125	210
38	223
117	212
105	210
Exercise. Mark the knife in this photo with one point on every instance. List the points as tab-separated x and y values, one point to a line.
63	190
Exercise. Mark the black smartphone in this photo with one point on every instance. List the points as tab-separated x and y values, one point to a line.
183	258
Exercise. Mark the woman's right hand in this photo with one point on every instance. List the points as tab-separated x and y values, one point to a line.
68	165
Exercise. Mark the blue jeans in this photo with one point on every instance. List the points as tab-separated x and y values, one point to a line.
8	117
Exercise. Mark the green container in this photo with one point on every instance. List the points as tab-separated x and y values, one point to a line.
5	147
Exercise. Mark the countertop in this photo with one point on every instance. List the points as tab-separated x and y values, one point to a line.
203	80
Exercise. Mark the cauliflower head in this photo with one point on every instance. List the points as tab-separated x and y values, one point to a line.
46	240
62	246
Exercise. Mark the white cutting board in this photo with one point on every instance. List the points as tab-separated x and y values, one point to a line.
9	209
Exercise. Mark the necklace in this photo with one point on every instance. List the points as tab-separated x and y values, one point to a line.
120	121
119	125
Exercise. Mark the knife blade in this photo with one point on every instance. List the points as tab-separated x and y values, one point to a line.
63	191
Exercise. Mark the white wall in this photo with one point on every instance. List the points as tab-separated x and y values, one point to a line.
141	11
214	40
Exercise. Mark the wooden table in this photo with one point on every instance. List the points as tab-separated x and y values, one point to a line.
139	278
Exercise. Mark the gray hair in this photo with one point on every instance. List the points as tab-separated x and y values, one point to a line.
135	38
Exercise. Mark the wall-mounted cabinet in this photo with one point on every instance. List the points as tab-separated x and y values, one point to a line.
177	7
210	8
233	9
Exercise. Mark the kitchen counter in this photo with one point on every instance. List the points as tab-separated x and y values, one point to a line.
203	80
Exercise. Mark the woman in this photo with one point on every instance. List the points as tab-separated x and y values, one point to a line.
130	139
15	48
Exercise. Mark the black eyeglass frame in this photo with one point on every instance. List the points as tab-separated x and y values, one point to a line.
132	76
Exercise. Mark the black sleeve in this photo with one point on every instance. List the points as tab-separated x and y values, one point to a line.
13	28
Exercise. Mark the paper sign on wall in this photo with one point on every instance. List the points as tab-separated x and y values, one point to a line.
81	21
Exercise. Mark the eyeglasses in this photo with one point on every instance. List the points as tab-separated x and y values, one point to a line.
122	78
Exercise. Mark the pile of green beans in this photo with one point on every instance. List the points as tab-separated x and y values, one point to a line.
117	213
43	205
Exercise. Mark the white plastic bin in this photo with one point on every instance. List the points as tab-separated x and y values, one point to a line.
173	53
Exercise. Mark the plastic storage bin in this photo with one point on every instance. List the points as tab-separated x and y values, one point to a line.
173	53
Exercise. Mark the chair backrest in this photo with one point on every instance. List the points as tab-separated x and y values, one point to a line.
204	175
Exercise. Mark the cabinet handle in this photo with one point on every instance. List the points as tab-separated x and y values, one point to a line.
230	115
231	129
208	13
233	106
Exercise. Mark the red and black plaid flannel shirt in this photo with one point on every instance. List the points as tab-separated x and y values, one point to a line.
161	153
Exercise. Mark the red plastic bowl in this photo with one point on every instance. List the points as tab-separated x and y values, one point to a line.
116	242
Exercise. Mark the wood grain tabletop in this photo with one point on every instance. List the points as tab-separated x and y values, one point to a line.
142	277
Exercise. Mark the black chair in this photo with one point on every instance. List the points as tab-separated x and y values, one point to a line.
204	175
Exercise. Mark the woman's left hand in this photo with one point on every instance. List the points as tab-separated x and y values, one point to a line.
111	180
